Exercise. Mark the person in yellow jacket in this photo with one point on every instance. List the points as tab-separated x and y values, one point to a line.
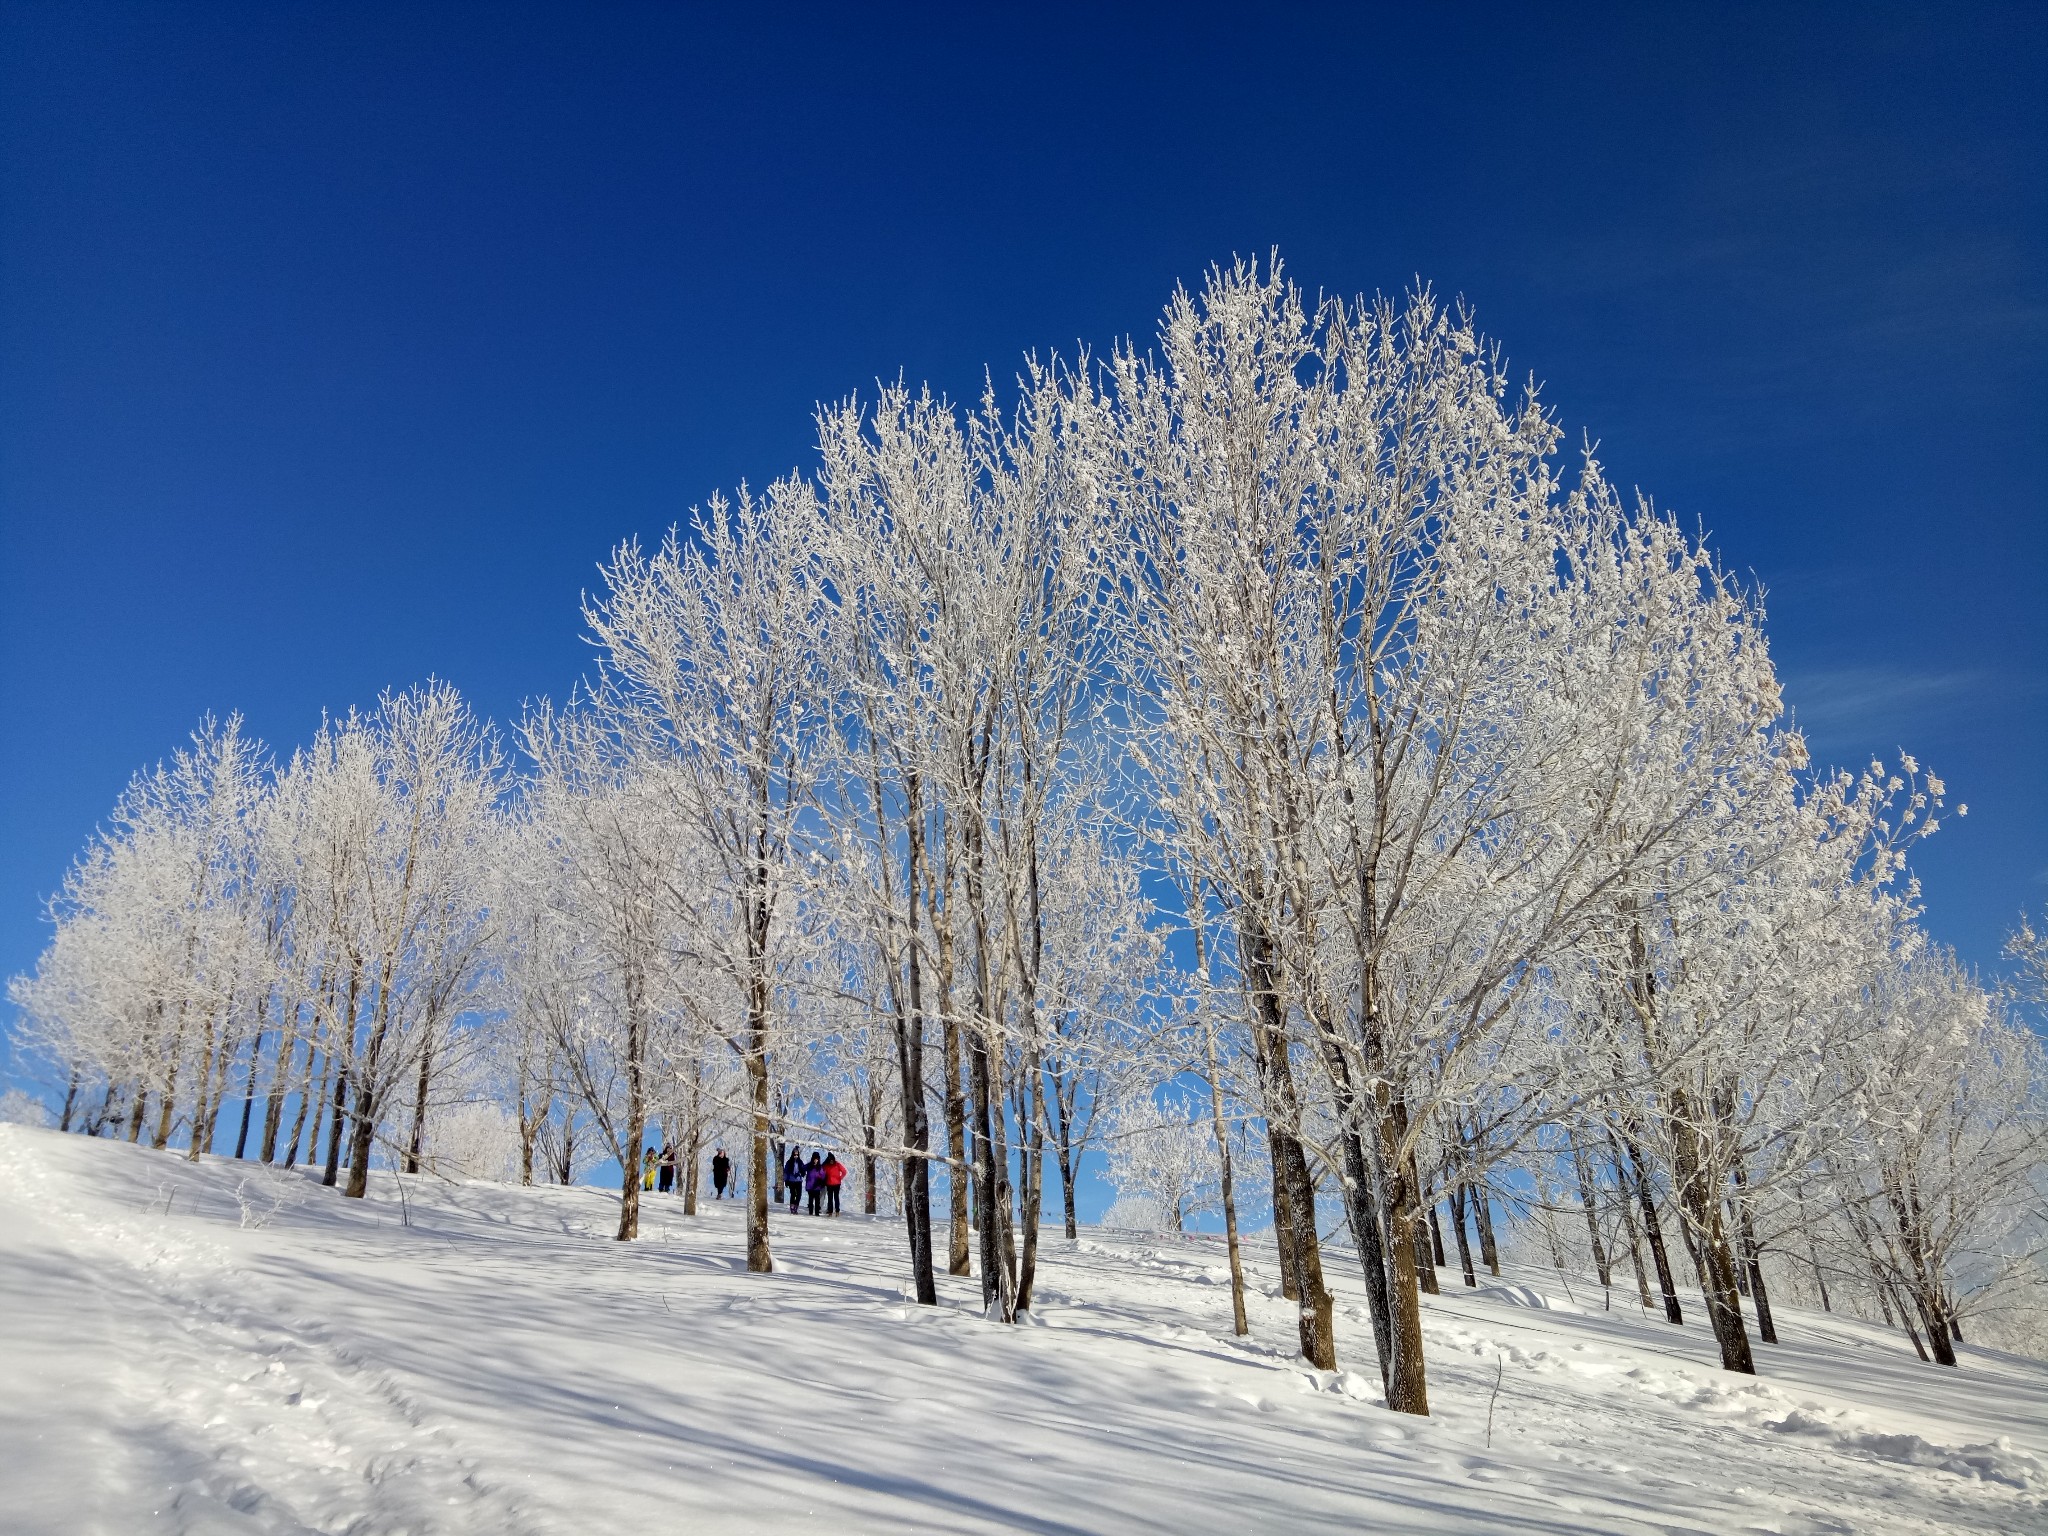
648	1164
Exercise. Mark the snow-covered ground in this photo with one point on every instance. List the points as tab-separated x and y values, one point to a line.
214	1348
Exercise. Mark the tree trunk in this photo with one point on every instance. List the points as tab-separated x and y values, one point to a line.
342	1067
1905	1319
1065	1148
1635	1247
1239	1325
1031	1200
166	1111
369	1091
280	1085
1812	1252
1600	1263
1407	1386
1753	1259
1482	1214
416	1144
249	1096
223	1064
916	1168
693	1147
1283	1222
1315	1312
1458	1226
336	1113
759	1260
916	1164
310	1097
991	1155
1198	905
1653	1232
365	1123
987	1180
959	1245
1362	1207
1700	1210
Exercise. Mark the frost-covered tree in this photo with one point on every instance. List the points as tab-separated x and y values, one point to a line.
710	650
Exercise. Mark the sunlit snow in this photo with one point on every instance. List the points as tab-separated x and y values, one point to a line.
219	1348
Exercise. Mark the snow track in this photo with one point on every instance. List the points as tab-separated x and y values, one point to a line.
206	1348
229	1405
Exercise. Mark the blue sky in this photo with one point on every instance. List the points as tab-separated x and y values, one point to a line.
339	344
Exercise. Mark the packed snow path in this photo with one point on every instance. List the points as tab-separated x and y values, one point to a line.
218	1348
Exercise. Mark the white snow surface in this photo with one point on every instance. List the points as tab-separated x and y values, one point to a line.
215	1347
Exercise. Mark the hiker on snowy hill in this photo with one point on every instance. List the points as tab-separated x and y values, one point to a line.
647	1166
721	1170
814	1183
668	1169
793	1178
835	1175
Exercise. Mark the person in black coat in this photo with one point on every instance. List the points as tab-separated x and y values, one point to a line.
793	1178
721	1170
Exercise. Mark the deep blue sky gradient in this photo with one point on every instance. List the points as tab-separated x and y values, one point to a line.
338	344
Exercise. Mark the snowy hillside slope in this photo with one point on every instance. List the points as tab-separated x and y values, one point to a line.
213	1348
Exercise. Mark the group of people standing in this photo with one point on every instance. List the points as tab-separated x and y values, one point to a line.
658	1172
817	1181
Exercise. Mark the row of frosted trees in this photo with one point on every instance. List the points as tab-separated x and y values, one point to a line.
1254	745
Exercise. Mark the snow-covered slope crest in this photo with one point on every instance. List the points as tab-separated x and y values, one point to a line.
217	1348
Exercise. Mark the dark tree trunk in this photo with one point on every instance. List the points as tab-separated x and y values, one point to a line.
1628	1226
986	1175
1425	1245
960	1225
1700	1215
759	1259
1408	1389
917	1167
1283	1222
331	1175
1065	1148
1482	1216
1304	1256
249	1097
1753	1259
343	1067
1031	1194
1905	1322
416	1144
1600	1263
1653	1233
1363	1208
1458	1227
280	1085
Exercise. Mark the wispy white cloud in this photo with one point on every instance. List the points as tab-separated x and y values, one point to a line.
1863	709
